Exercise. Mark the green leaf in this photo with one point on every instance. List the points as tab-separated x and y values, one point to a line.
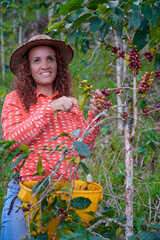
81	19
80	202
113	4
148	13
40	236
140	39
149	236
2	149
75	133
157	62
120	29
155	31
82	148
46	217
85	46
72	236
104	30
154	19
44	182
157	8
24	147
154	226
141	150
13	154
136	18
56	25
66	8
143	103
7	143
63	134
144	25
52	204
92	237
108	211
84	166
82	100
2	92
119	12
108	70
95	24
133	237
71	36
40	167
18	160
93	4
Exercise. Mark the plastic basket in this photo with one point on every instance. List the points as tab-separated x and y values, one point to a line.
90	190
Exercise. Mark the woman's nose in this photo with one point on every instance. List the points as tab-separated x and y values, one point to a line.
44	64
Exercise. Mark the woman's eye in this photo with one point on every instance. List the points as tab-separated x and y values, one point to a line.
51	59
36	60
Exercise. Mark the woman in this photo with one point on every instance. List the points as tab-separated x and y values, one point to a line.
39	108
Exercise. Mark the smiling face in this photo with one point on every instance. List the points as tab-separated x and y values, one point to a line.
43	66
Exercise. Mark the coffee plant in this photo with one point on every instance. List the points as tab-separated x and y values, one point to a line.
86	23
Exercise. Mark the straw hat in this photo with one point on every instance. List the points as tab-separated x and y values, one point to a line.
16	57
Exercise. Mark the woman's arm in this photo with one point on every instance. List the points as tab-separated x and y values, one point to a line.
16	126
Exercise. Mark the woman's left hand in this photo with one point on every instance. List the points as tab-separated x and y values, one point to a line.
96	107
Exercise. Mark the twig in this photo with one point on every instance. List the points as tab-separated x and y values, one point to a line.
76	168
135	110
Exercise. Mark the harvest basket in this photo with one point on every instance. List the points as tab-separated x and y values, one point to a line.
89	190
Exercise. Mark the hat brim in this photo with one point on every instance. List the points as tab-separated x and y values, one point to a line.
16	57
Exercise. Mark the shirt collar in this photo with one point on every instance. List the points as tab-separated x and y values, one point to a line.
38	93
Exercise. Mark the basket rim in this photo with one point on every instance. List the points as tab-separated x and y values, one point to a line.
100	190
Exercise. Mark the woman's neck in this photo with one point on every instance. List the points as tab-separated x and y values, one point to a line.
48	91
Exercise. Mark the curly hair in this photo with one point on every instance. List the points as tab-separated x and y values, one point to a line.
25	85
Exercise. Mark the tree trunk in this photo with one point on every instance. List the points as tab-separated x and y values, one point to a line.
118	75
128	183
2	49
20	31
37	15
128	139
51	11
124	61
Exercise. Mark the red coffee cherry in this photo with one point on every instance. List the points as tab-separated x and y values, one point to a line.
134	60
149	56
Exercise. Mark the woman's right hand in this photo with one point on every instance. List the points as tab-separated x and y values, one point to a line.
64	104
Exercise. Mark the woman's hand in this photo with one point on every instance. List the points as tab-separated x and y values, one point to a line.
95	107
64	104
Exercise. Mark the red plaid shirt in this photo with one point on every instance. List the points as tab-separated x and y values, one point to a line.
37	126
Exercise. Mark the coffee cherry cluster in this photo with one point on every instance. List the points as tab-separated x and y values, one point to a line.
105	91
25	207
115	49
100	98
117	91
124	115
121	54
149	56
134	60
147	80
146	111
157	107
157	74
63	215
85	85
107	104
